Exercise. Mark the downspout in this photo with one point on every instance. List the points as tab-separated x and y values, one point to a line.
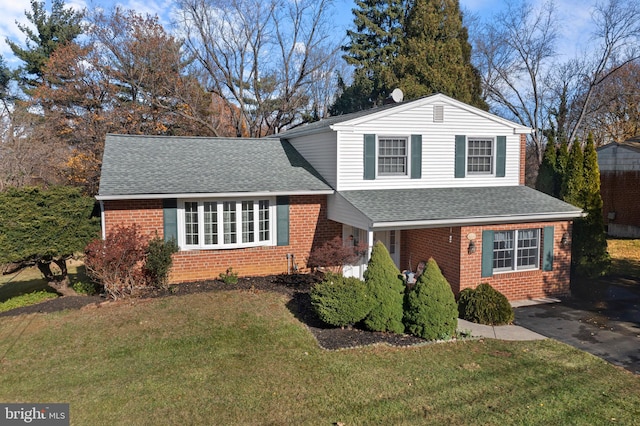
102	221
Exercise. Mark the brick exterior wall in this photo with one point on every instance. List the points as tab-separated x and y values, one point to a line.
464	270
620	194
308	228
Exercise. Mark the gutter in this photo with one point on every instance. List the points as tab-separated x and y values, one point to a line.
211	195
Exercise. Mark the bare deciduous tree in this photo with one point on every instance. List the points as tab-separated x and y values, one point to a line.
262	56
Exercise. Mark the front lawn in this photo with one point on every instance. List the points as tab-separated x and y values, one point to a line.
241	357
625	257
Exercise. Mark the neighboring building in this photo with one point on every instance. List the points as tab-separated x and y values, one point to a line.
432	177
619	165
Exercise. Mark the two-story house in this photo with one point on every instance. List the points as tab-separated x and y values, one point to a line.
432	177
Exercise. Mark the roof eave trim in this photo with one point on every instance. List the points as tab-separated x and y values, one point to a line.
490	220
212	195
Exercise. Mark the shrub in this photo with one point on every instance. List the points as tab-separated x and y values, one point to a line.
159	261
84	287
485	305
430	307
386	288
229	277
26	300
117	261
334	254
340	301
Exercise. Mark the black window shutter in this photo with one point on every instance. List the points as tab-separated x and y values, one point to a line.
170	219
501	155
461	156
487	253
282	220
547	256
369	157
416	156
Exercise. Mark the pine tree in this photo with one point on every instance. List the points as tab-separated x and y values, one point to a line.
435	56
62	26
431	311
545	182
562	159
371	50
589	249
573	182
385	286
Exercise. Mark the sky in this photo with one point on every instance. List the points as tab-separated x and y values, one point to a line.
575	14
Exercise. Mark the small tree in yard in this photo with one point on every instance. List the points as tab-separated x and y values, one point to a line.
385	286
43	226
334	254
431	311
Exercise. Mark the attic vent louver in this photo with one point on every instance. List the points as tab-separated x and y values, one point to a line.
438	113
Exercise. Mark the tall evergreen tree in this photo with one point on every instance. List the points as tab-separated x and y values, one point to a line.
435	55
573	182
545	182
589	250
59	27
372	48
562	159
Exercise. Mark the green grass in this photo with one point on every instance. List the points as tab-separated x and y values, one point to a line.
237	357
29	281
625	257
26	300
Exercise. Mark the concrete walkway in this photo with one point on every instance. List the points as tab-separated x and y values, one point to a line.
505	332
502	332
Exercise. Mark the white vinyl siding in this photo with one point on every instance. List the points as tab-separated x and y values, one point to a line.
320	150
438	148
225	223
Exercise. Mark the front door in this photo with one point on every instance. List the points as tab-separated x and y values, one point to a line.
391	240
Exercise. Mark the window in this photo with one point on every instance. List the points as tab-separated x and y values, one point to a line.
480	156
516	250
226	224
392	156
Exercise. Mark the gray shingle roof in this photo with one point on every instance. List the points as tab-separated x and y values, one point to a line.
453	204
135	165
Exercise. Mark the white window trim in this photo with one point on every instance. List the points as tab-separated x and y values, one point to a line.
221	245
515	267
406	175
493	156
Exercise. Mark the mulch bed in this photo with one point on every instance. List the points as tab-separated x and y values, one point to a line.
296	287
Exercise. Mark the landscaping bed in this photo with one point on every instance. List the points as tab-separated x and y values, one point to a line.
296	287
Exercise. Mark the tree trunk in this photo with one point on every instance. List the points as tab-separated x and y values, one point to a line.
59	283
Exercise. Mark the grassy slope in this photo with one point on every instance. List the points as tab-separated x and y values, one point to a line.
239	357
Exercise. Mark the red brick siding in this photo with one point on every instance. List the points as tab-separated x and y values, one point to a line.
308	228
421	244
620	194
464	270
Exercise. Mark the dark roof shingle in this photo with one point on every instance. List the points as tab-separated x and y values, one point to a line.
146	165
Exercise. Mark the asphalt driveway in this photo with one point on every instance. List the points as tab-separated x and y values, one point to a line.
608	328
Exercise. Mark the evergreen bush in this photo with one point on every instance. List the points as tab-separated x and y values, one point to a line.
485	305
340	301
386	287
159	261
430	308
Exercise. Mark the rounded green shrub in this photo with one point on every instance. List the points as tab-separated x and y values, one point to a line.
385	286
340	301
485	305
430	307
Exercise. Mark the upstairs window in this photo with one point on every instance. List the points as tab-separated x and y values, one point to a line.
392	156
479	156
